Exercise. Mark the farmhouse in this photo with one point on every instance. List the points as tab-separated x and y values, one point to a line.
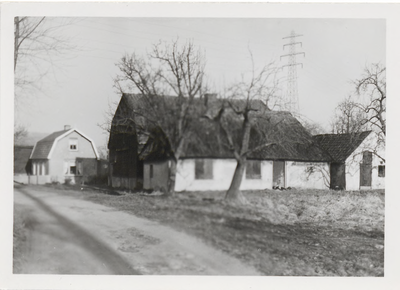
66	156
357	161
139	154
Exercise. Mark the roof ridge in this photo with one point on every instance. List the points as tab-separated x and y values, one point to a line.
343	134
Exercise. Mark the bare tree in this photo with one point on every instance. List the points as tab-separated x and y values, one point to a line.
108	115
349	118
25	31
37	40
169	69
372	87
20	132
243	104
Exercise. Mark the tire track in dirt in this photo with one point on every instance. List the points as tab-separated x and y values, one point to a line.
79	236
74	236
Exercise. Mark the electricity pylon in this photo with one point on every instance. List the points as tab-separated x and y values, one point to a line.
291	98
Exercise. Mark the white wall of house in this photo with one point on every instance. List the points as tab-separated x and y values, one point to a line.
353	165
298	174
61	158
307	174
223	170
40	172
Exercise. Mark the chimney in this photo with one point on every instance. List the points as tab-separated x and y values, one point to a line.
67	127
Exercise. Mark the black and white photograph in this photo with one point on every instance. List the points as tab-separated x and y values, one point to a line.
197	143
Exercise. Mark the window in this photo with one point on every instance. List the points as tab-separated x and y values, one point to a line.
73	144
39	168
73	168
203	169
79	172
381	170
151	171
253	169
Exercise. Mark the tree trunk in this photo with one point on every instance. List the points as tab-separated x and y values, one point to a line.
173	167
171	178
234	196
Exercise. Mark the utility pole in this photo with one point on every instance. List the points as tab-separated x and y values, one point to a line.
292	98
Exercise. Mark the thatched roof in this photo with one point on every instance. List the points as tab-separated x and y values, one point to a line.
340	146
206	138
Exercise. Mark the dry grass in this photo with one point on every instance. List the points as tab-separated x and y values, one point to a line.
295	232
20	237
348	210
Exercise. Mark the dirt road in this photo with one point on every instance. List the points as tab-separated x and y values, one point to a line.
67	235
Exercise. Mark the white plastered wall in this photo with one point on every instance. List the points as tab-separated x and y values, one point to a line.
353	165
223	170
62	154
307	174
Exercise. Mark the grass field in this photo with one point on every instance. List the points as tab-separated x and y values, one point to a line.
20	238
293	232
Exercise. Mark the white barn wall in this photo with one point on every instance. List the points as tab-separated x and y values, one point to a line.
377	182
264	182
298	177
223	170
353	170
353	165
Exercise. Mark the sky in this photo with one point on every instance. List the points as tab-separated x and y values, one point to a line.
78	88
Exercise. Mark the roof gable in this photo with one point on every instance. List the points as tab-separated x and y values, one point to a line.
341	146
44	147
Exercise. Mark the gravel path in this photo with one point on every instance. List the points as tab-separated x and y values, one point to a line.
68	235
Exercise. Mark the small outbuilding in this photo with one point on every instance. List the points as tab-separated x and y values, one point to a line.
357	160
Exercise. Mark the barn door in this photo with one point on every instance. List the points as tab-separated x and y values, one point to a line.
366	169
278	174
338	176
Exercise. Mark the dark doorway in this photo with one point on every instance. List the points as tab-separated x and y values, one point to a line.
278	174
338	176
366	169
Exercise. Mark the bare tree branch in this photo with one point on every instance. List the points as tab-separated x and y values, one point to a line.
37	40
169	69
